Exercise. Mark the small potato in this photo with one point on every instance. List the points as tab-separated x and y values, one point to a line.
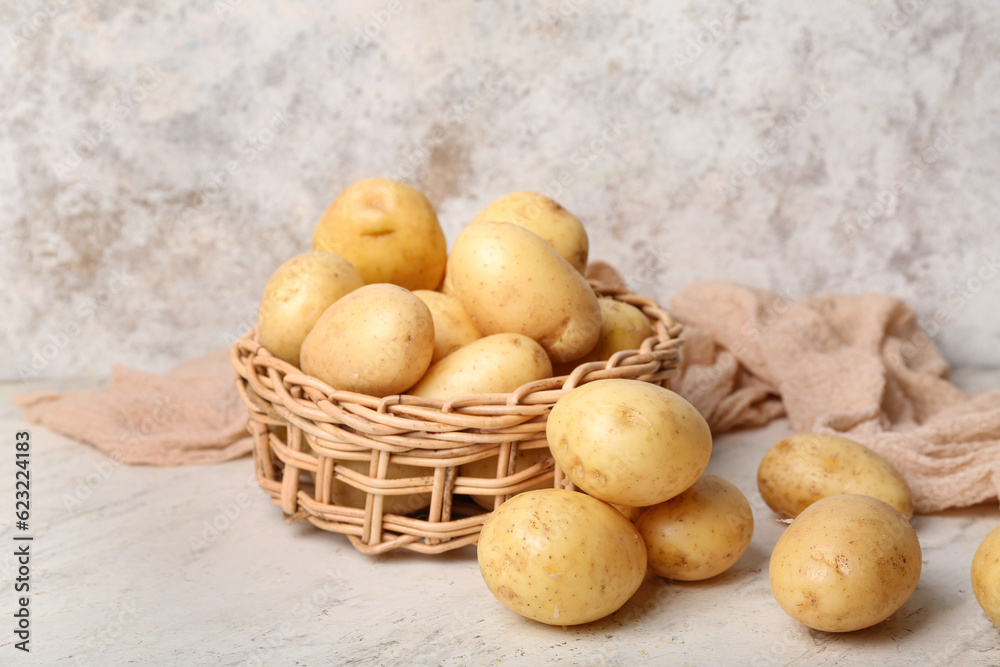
560	557
377	340
801	469
347	495
295	296
623	327
698	534
453	327
509	280
487	469
986	575
544	216
845	563
388	230
628	442
496	364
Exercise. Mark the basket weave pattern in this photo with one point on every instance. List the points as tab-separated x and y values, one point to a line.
313	443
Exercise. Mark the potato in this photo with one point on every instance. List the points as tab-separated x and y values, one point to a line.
511	281
801	469
698	534
377	340
453	327
487	469
296	295
347	495
623	327
496	364
388	231
628	442
560	557
845	563
986	575
542	215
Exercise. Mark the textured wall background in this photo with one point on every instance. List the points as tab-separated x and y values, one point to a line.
159	160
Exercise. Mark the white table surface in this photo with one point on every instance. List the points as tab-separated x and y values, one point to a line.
194	566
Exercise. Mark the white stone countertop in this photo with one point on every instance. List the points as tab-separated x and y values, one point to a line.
194	566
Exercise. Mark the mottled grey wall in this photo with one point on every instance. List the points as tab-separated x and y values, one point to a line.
159	160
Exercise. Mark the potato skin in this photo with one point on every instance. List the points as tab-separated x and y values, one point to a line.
560	557
845	563
628	442
623	327
453	327
377	340
801	469
295	297
698	534
496	364
388	231
545	217
985	575
509	280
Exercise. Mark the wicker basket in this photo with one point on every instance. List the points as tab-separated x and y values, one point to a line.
313	444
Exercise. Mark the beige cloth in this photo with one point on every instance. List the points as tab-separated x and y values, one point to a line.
855	365
192	415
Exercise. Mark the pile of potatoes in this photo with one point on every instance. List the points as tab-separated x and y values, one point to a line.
380	306
639	451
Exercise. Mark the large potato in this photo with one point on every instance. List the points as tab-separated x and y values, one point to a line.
453	327
496	364
801	469
388	230
986	575
547	218
296	295
487	469
845	563
628	442
699	533
560	557
623	327
511	281
377	340
348	495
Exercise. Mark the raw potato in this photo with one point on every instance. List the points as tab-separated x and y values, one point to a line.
453	327
801	469
509	280
496	364
986	575
628	442
296	295
623	327
560	557
388	230
487	469
698	534
344	493
544	216
377	340
845	563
